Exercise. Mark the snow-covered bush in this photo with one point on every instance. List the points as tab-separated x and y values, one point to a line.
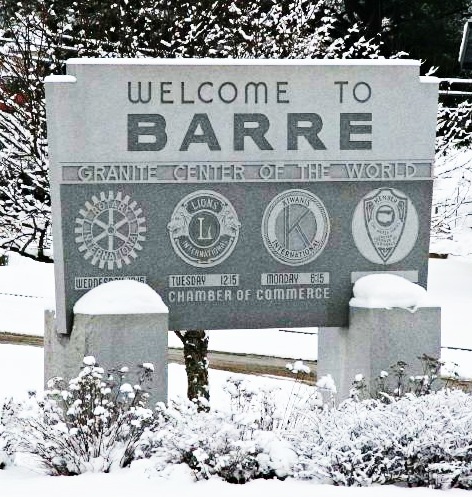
96	423
238	446
398	382
424	440
344	446
305	398
8	411
90	424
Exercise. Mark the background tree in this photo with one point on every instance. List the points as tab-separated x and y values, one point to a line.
24	189
427	30
195	344
452	195
38	36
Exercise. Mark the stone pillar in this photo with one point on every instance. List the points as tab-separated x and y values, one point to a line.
115	340
375	340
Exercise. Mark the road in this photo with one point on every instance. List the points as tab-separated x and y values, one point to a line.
235	363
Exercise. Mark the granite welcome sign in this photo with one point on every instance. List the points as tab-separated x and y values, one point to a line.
247	193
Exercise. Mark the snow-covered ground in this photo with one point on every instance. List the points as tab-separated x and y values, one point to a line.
24	364
136	481
26	287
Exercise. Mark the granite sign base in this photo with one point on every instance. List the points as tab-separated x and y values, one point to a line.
115	341
375	340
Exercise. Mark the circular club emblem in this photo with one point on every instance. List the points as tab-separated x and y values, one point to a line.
385	226
109	230
295	227
204	228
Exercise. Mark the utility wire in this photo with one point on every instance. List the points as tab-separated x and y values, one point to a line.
316	333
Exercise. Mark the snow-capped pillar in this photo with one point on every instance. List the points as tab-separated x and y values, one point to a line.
122	324
389	321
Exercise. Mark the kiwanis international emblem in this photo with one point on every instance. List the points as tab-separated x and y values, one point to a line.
204	228
295	227
385	226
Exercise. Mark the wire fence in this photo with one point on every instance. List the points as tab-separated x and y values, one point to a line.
23	296
457	348
300	332
284	330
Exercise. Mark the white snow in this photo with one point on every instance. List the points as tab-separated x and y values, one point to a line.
121	297
298	367
89	360
458	244
327	383
241	62
138	480
21	370
58	78
26	289
25	364
387	291
287	342
450	282
449	285
126	388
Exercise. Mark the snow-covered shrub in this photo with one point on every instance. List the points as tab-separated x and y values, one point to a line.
8	412
90	424
345	446
238	446
258	403
305	398
425	440
398	382
437	430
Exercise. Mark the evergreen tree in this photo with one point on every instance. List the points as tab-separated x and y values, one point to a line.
426	30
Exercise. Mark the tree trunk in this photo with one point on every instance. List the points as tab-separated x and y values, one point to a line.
196	365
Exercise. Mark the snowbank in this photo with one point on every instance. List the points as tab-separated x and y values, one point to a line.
458	243
121	297
388	291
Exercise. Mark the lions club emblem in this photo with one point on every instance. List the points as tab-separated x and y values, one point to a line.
204	228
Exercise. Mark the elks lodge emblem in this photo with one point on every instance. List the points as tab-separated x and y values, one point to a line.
385	214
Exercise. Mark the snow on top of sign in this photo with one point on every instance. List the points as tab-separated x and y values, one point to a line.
242	62
430	79
121	297
387	291
60	78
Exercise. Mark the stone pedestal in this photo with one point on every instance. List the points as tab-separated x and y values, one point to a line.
115	340
375	340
